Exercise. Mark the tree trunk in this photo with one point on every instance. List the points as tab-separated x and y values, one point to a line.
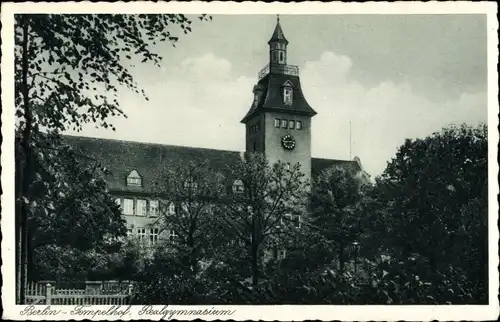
255	265
341	255
26	171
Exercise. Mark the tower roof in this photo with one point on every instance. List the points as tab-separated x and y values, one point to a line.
271	86
278	35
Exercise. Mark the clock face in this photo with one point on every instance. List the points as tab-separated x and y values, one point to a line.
288	142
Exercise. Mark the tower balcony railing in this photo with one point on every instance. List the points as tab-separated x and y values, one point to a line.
278	69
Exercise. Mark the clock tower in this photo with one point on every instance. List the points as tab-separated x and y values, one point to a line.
278	123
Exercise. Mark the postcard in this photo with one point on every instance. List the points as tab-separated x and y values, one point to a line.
250	161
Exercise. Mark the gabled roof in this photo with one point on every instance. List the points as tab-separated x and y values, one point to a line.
273	101
149	159
319	164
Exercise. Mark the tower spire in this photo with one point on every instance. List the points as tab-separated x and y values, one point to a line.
278	35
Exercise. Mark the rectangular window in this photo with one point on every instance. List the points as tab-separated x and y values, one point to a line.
277	123
285	219
172	236
281	254
141	234
296	221
133	181
153	236
287	95
153	208
141	207
128	207
284	124
191	186
130	232
170	209
119	203
291	124
298	125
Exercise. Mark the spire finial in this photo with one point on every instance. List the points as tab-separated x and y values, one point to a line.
278	18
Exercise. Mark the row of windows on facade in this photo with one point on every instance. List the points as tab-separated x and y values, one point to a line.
135	180
150	235
143	207
278	123
142	235
288	124
139	207
254	128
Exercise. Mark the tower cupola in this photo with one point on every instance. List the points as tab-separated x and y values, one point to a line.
277	46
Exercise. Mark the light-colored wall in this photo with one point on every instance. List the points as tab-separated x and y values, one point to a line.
302	151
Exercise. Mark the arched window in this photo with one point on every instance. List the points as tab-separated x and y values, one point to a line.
282	57
238	186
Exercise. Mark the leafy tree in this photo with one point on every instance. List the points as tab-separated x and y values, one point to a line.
335	199
262	212
433	196
63	65
70	210
192	190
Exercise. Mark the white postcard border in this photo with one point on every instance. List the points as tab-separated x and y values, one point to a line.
264	312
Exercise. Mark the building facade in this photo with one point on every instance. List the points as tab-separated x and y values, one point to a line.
277	124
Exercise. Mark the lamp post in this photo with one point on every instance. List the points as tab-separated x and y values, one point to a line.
356	247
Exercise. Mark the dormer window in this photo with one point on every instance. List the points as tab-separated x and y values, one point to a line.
238	186
256	98
190	185
134	179
287	93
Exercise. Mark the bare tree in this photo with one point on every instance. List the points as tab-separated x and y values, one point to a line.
189	193
263	208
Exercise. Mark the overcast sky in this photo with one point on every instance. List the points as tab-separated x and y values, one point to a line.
392	76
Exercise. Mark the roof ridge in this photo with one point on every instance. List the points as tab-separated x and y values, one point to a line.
146	143
333	159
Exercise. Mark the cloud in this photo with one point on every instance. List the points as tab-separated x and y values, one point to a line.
381	116
201	101
197	103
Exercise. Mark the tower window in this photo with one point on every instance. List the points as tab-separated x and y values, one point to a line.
256	99
284	124
282	57
287	95
277	123
298	125
291	124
